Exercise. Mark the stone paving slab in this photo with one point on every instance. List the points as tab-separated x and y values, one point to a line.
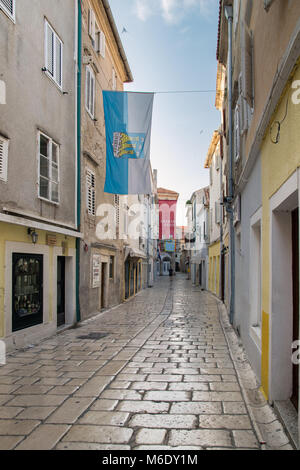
164	378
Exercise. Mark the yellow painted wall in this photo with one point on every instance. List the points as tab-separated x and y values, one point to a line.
278	162
214	268
18	234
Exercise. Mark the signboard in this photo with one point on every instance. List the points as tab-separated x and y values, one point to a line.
170	246
96	271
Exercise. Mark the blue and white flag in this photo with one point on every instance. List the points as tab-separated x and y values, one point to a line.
128	119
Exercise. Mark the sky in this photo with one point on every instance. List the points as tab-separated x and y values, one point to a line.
171	46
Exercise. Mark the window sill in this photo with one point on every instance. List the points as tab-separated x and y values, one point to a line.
59	87
48	200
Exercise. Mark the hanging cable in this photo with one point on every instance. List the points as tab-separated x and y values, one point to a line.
278	124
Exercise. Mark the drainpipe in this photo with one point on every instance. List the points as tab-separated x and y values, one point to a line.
148	240
78	112
221	220
229	17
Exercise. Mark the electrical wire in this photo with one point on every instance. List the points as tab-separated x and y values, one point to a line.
279	124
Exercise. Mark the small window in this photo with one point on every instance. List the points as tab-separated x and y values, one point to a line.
111	267
53	55
8	6
91	192
90	92
3	158
48	169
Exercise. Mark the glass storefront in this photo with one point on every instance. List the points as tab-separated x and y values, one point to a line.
27	291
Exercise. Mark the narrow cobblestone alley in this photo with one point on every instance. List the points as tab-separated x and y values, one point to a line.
153	373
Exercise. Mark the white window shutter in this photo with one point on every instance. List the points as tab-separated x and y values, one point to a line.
92	95
58	60
49	49
92	24
247	67
102	44
3	158
237	135
8	6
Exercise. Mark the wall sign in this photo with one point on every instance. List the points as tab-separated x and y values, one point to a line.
96	271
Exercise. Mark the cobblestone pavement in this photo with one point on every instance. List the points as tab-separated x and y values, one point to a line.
164	377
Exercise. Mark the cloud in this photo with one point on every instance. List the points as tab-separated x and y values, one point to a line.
143	10
174	11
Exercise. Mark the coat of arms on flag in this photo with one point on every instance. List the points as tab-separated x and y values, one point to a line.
128	118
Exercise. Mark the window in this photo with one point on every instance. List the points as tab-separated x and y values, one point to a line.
8	6
53	55
90	92
48	169
255	270
3	158
27	290
91	192
97	36
111	267
114	79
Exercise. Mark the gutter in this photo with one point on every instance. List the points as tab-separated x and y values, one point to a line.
118	40
229	17
79	54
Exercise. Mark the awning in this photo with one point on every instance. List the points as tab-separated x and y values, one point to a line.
134	253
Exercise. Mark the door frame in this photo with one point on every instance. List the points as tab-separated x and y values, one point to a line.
282	203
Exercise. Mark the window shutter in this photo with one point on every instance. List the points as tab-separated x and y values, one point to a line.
117	208
49	49
92	24
87	88
102	44
58	61
92	108
3	158
91	192
114	79
237	138
8	6
247	81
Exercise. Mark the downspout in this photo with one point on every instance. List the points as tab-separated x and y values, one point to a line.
79	50
229	17
221	219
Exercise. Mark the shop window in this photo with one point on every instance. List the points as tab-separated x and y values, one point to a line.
27	291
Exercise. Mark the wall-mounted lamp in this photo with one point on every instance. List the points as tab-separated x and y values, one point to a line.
33	234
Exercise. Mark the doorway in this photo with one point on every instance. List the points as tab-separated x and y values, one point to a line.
295	268
103	285
61	288
27	290
166	268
